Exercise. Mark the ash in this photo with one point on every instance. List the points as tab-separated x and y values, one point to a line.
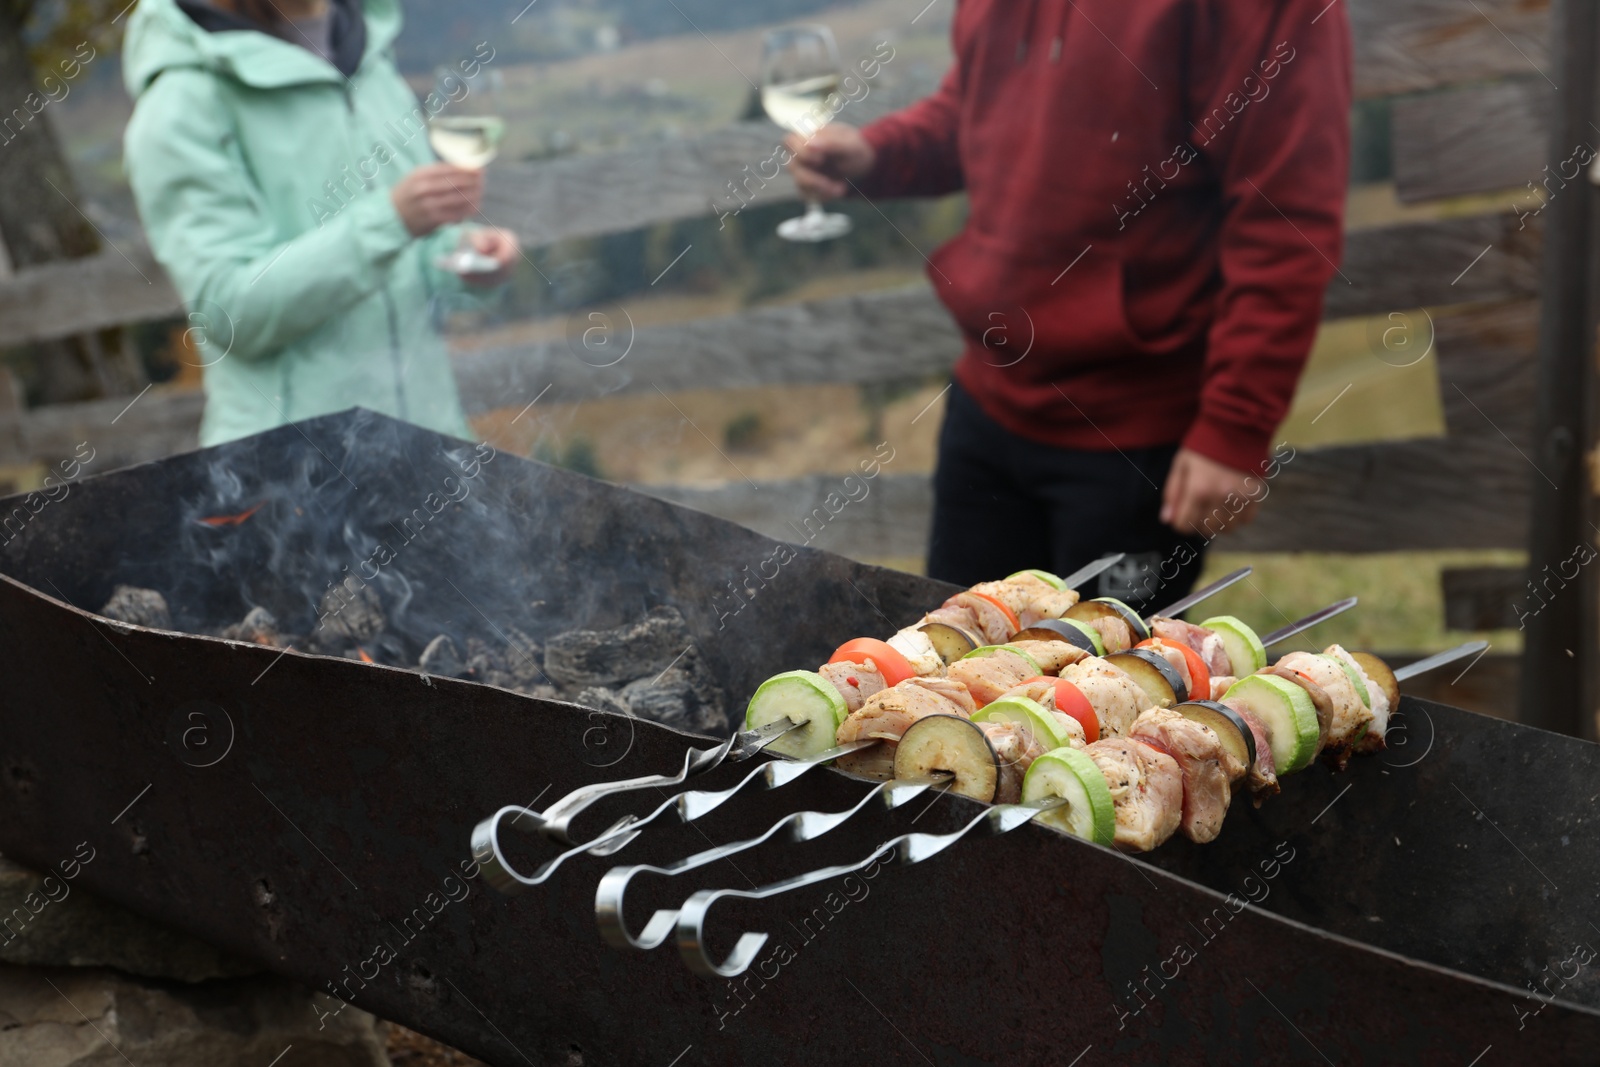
258	627
649	667
140	607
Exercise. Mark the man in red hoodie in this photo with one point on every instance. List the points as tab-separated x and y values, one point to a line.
1155	194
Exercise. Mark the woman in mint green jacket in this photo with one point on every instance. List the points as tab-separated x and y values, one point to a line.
282	172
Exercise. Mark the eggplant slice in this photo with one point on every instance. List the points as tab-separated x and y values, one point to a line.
953	745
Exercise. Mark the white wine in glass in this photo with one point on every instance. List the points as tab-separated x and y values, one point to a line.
466	133
466	140
800	70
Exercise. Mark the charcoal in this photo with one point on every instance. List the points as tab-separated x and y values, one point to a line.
347	617
611	658
443	659
140	607
603	699
510	666
684	696
258	626
523	659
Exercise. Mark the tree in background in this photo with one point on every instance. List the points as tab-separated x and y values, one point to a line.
45	49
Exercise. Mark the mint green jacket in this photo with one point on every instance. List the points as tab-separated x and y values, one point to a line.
262	177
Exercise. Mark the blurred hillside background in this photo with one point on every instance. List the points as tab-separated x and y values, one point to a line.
591	76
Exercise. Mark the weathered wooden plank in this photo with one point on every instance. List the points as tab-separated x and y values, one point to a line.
588	196
1365	498
1477	140
159	423
75	296
1384	268
1486	370
1401	46
887	520
899	333
1429	264
725	170
1484	598
1404	46
1394	496
904	333
1414	494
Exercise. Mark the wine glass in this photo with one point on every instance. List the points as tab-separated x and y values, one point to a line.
800	69
466	132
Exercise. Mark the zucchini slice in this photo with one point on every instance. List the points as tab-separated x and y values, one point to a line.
1381	676
989	650
1355	678
1288	714
1073	775
806	697
1052	580
1246	653
1026	713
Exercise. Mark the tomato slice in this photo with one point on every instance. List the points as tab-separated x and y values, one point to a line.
1150	742
1070	699
894	667
1011	616
1199	675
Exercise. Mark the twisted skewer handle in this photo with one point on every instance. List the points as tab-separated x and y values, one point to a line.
555	822
799	826
904	850
687	806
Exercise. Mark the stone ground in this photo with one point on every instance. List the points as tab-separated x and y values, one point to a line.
85	983
97	1017
407	1048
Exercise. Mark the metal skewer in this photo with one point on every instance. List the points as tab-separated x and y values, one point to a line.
1178	607
800	825
687	806
1090	570
1283	633
905	850
1439	659
556	820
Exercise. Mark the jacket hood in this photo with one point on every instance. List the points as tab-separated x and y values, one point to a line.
162	37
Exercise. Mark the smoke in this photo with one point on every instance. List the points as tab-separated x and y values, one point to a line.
306	540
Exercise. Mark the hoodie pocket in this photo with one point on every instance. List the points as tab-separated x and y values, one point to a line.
1012	302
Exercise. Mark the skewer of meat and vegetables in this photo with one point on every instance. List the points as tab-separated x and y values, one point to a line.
1020	691
986	642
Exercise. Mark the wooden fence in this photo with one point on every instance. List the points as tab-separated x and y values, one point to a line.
1470	103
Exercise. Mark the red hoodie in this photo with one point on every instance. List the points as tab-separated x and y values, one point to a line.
1156	192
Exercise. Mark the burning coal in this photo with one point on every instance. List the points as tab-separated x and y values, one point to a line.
648	668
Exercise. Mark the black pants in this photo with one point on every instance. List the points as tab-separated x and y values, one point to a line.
1002	503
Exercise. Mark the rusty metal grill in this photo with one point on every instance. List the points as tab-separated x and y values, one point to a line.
313	812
